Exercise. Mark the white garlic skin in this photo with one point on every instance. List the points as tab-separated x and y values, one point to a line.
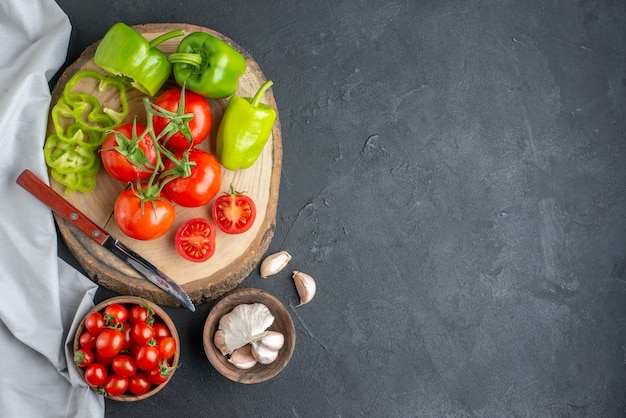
274	340
242	358
305	285
274	263
263	354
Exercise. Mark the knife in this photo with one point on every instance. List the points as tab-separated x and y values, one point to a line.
65	209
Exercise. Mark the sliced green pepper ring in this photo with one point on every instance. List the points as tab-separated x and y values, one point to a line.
67	158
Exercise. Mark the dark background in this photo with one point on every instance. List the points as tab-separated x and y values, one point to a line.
453	177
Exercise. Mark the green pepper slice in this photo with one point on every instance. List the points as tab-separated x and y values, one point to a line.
244	130
207	65
67	158
126	53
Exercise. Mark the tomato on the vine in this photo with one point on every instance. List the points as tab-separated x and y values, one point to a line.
167	348
126	155
109	342
94	322
124	365
142	333
147	357
199	125
195	240
143	221
138	384
83	357
234	212
96	374
201	186
116	385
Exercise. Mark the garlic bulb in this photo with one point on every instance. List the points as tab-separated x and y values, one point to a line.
242	358
274	263
244	324
263	354
305	285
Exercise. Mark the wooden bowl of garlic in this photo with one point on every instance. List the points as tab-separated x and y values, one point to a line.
249	336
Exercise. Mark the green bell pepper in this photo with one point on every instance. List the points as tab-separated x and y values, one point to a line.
207	65
124	52
244	130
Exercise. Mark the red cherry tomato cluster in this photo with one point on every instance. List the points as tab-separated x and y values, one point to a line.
125	349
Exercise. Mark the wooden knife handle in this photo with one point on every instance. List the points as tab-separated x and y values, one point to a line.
29	181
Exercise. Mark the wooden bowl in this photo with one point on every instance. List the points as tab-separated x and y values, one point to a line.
282	323
162	316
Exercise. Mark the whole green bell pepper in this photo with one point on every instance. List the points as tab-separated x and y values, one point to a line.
124	52
207	65
244	130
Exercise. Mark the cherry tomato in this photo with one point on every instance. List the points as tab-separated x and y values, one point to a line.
143	222
83	357
138	384
115	314
105	361
129	162
142	333
124	365
96	374
137	314
160	331
195	240
87	340
109	342
128	339
160	374
199	125
116	385
201	186
94	322
147	357
167	348
234	213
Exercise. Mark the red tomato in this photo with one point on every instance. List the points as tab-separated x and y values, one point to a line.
109	342
105	361
199	125
115	314
234	213
201	186
87	340
126	160
159	374
147	357
124	365
167	348
160	331
142	333
83	357
94	322
138	384
153	221
96	374
195	240
116	385
137	314
128	339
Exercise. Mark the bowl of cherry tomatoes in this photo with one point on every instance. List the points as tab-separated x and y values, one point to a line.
126	348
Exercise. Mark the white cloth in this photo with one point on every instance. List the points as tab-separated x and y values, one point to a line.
42	298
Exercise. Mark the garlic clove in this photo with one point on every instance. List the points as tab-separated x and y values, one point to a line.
274	263
219	339
274	340
242	358
305	285
263	354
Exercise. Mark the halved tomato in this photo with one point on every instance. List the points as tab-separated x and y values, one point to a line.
195	240
234	212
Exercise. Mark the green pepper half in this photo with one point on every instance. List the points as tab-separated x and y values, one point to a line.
124	52
244	130
207	65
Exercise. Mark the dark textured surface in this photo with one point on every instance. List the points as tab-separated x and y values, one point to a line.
453	177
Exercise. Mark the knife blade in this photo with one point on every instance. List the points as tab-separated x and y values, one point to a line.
33	184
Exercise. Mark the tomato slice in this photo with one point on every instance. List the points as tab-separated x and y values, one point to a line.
234	212
195	240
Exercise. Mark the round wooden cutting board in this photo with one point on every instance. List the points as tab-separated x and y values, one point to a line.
236	256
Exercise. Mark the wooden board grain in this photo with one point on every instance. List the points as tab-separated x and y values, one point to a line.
236	256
